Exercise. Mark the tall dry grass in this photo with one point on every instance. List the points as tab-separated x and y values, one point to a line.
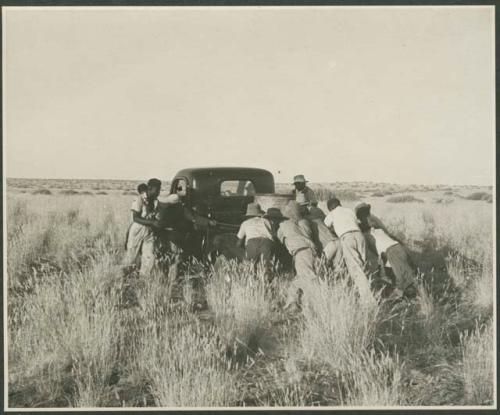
74	339
478	364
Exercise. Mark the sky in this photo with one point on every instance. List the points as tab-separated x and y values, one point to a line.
383	94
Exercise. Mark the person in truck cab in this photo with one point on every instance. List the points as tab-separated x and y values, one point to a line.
302	192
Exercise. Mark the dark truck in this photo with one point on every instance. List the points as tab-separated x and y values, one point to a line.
222	194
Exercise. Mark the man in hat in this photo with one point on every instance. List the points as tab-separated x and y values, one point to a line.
344	223
303	193
255	234
326	241
388	249
296	235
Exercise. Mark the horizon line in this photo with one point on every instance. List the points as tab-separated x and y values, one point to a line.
316	182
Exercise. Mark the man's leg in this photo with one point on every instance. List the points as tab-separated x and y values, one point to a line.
148	255
304	267
405	274
354	251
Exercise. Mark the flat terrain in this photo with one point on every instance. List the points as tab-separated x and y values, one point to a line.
81	334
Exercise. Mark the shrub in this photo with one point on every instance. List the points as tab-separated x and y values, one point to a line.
185	364
86	193
336	324
241	303
404	199
373	379
378	194
41	192
68	192
480	196
101	193
478	365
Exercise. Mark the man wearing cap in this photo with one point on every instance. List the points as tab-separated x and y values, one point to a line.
296	235
389	249
344	223
303	193
255	234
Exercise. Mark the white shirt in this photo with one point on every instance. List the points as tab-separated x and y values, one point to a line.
342	220
382	241
140	205
255	228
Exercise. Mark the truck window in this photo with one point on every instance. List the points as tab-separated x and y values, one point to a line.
180	187
237	188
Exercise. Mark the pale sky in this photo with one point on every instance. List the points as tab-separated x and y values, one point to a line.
392	94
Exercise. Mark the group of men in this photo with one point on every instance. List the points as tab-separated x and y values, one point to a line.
354	239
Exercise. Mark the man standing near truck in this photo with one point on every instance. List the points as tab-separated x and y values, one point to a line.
302	192
141	236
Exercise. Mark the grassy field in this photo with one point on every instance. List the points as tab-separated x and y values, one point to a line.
75	341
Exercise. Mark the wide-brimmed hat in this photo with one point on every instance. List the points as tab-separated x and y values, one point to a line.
316	213
254	209
362	206
172	199
274	213
299	178
292	210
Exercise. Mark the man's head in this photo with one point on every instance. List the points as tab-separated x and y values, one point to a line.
142	188
332	203
154	187
299	182
362	211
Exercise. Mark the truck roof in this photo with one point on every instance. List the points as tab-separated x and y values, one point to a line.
222	172
209	178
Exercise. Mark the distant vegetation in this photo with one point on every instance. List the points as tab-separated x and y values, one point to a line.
480	196
404	199
69	192
41	192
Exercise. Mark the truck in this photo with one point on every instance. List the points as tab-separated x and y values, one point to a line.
222	194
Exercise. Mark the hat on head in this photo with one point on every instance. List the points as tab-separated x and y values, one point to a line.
274	213
316	213
292	210
299	178
362	206
172	199
254	209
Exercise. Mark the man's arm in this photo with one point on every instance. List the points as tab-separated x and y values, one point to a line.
198	220
241	236
136	217
312	197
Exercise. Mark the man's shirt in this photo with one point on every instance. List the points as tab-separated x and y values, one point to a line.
255	228
342	220
382	241
295	235
308	193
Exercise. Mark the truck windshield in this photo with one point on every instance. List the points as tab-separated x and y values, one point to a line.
230	188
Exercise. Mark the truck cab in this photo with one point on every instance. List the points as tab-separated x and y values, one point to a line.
222	194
